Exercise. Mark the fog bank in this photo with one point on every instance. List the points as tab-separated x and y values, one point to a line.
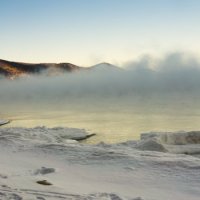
175	76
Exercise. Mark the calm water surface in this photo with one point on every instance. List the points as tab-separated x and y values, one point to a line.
112	122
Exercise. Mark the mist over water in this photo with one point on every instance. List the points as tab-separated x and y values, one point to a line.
150	94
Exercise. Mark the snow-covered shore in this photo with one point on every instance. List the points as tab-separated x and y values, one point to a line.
160	166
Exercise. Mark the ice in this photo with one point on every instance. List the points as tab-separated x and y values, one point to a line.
43	135
181	142
151	144
175	138
44	170
3	122
159	166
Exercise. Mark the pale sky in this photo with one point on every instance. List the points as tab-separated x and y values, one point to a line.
86	32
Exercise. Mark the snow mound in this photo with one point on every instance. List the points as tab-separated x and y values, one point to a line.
65	139
42	135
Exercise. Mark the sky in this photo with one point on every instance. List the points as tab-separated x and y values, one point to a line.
86	32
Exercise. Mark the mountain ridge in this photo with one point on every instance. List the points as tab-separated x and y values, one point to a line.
11	69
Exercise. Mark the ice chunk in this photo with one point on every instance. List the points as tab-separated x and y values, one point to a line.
44	135
181	138
3	122
174	138
44	170
151	144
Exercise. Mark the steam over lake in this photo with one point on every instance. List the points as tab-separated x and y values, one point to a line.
118	105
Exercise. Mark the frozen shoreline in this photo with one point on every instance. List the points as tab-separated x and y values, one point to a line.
149	169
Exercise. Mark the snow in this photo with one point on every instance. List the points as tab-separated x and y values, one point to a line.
152	168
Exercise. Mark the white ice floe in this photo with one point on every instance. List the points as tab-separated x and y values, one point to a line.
175	142
174	138
3	122
43	135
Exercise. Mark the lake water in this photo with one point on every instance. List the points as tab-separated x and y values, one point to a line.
112	120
